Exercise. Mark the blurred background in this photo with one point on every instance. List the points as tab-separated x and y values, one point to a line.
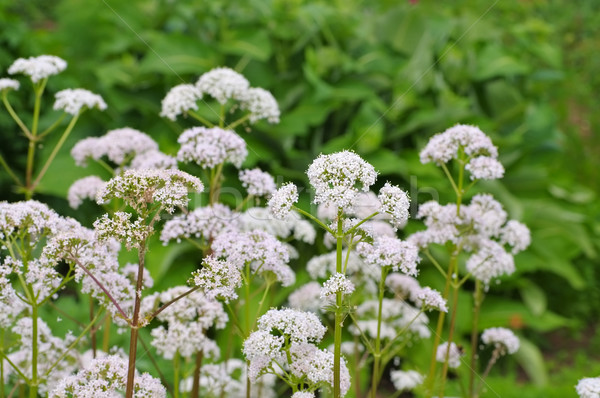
379	77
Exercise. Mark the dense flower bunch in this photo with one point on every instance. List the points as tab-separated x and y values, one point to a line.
107	377
286	342
38	68
226	86
209	147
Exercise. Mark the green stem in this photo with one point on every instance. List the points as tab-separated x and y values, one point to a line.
222	116
176	375
74	343
377	353
447	172
493	359
247	331
33	386
200	118
430	382
315	219
215	184
450	336
354	228
52	127
1	364
14	366
478	299
16	117
133	339
241	120
106	335
9	171
357	369
50	159
338	311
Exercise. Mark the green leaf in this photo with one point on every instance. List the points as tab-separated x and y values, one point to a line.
253	43
532	361
534	297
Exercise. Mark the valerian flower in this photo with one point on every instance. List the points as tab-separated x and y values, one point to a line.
38	68
209	147
73	101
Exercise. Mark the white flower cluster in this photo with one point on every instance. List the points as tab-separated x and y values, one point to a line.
257	182
397	316
393	253
588	387
187	320
38	68
431	299
338	178
286	339
336	283
73	100
481	154
502	339
84	188
282	200
142	188
218	278
117	145
8	84
405	380
122	228
222	84
403	286
107	377
451	355
209	147
257	249
480	228
261	104
292	226
363	274
179	100
394	202
204	222
29	226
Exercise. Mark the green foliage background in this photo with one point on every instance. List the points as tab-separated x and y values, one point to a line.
379	77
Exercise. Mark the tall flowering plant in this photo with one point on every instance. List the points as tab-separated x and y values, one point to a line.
364	295
479	229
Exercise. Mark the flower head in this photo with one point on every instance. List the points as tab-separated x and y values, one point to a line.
8	84
223	84
72	101
451	355
485	168
443	147
118	145
106	377
394	202
338	178
405	380
503	339
141	188
209	147
179	100
84	188
431	299
261	104
38	68
588	387
257	182
391	252
282	200
337	283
